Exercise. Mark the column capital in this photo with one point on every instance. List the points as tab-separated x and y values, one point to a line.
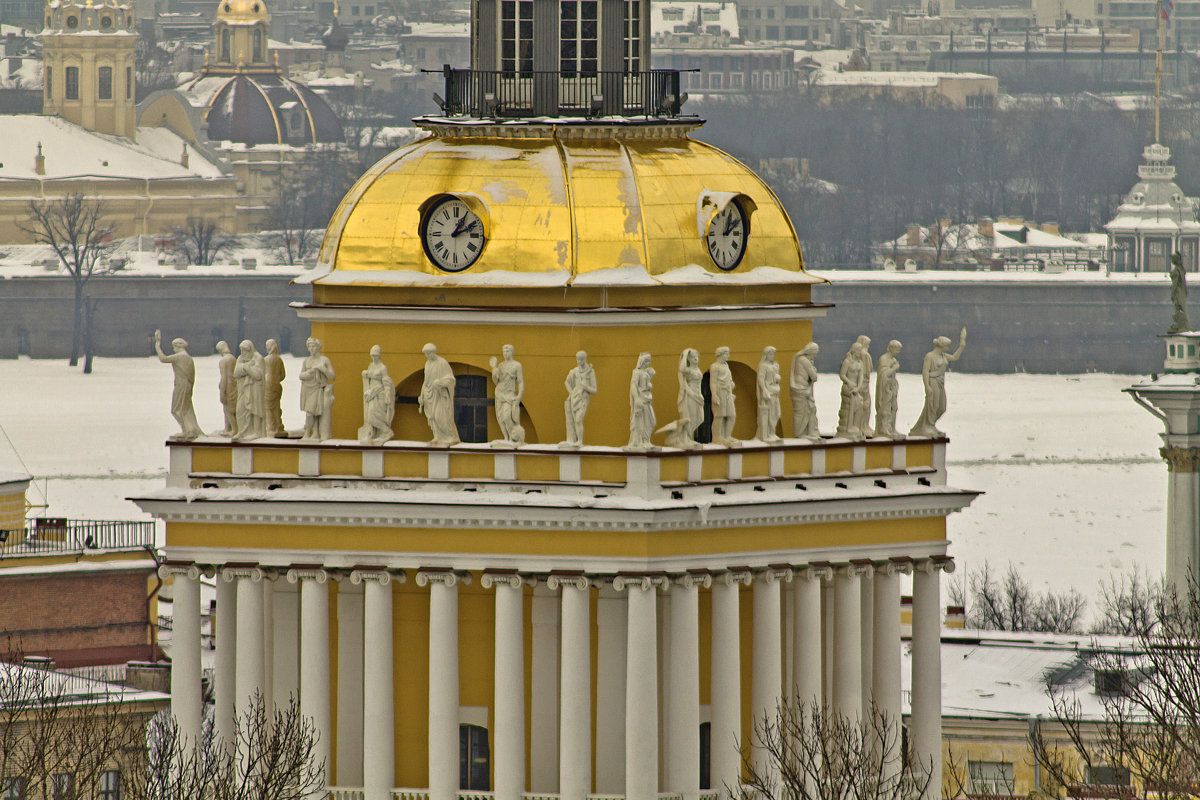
935	564
1181	459
895	566
773	573
742	576
446	577
693	579
814	572
860	568
644	582
382	576
556	581
297	574
171	569
231	573
512	579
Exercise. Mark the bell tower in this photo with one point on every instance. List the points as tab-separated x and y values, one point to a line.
89	65
240	39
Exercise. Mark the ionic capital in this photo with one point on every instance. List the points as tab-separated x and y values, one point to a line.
895	566
691	580
929	566
491	579
315	574
383	577
857	569
556	581
169	570
1181	459
250	573
774	573
644	582
734	577
446	577
813	572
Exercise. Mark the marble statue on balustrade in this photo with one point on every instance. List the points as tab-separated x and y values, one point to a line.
720	383
641	404
436	400
804	407
227	388
1179	317
185	380
509	378
379	401
316	393
864	393
689	401
274	389
250	372
581	385
887	392
933	375
850	421
768	385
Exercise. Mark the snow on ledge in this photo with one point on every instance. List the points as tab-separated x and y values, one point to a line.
635	275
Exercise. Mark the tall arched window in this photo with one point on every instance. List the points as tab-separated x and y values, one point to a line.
104	83
474	759
471	407
72	83
258	44
225	44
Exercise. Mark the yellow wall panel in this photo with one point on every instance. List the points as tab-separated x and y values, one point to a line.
879	456
341	462
756	465
603	468
537	468
797	462
472	465
279	461
918	455
839	459
410	464
212	459
672	469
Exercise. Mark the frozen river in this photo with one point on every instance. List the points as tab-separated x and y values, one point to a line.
1074	487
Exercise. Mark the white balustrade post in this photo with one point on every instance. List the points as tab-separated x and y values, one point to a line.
379	743
508	735
886	667
926	720
314	660
185	649
443	681
806	617
726	693
683	726
225	681
847	647
641	687
766	687
575	704
250	674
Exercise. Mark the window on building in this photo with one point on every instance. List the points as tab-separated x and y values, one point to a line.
579	26
354	11
633	35
104	75
471	407
791	12
14	788
72	85
673	14
1108	776
420	54
225	45
804	12
705	756
62	786
129	83
49	81
370	11
474	761
516	36
793	32
990	777
735	80
258	44
770	13
110	785
773	32
714	80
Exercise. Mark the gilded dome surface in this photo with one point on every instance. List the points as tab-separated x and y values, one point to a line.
560	210
241	12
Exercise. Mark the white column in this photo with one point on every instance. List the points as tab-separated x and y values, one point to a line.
575	704
886	667
185	649
268	641
641	687
806	617
314	660
286	625
926	721
683	737
508	731
611	633
1183	515
379	745
847	645
249	675
543	703
866	629
443	682
350	699
766	688
225	685
726	692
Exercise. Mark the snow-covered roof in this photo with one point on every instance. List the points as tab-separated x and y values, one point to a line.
1008	236
20	72
72	151
827	77
451	30
78	690
681	17
826	59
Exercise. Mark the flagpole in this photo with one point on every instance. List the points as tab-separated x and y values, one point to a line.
1158	70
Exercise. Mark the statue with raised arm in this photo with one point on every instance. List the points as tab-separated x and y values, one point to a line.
316	394
887	392
1179	318
768	396
227	388
185	380
581	385
850	412
863	398
437	398
250	372
933	375
641	404
510	388
690	400
804	407
720	383
273	390
379	401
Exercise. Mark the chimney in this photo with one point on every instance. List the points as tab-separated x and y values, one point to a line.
39	161
956	617
912	235
945	223
183	159
987	227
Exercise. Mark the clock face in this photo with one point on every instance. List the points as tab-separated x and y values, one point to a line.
727	235
452	235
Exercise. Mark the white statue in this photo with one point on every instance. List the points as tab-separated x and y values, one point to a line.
864	393
185	380
933	375
273	391
581	385
641	404
768	396
690	401
437	398
250	372
720	383
804	407
850	413
379	401
510	388
887	392
316	394
227	388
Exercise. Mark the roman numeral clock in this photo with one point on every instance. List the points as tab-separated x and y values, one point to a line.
452	235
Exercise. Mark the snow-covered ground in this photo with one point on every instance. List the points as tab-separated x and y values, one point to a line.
1074	486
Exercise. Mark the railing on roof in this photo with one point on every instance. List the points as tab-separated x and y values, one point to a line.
507	95
56	534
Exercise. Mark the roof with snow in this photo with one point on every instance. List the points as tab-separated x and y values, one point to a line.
827	77
77	690
694	17
1155	204
256	109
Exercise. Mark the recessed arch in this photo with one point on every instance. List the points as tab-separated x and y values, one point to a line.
410	424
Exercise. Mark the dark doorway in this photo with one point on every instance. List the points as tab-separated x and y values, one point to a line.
704	432
474	761
471	407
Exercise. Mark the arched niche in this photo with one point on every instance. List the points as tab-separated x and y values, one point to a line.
473	398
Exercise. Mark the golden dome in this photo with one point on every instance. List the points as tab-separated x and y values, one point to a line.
241	12
560	206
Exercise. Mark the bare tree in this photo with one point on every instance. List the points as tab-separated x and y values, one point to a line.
200	240
1010	604
306	195
74	226
807	752
1127	604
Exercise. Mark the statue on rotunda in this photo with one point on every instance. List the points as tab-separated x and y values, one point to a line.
690	400
379	401
1179	318
437	398
863	398
250	372
850	421
933	375
804	407
316	393
509	378
185	380
581	385
227	388
768	396
273	392
641	404
887	392
720	383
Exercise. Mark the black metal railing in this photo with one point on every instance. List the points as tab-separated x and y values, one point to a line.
55	534
485	93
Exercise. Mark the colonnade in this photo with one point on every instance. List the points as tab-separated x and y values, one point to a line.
864	667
